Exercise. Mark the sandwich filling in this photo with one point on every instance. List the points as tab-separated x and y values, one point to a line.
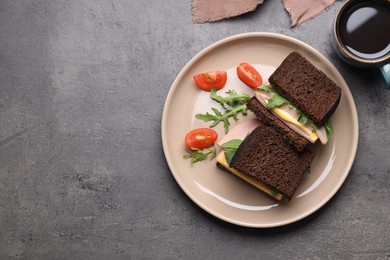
291	116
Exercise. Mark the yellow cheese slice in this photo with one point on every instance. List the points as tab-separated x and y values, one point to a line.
284	115
288	118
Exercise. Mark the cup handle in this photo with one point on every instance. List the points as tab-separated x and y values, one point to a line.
385	70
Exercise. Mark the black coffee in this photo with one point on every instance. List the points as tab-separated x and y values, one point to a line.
364	29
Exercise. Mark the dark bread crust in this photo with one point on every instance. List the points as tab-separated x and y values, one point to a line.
264	115
306	87
265	156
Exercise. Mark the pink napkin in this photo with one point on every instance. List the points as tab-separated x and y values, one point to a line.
302	10
212	10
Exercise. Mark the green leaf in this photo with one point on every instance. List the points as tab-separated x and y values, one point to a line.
267	88
205	117
232	144
273	192
329	129
303	119
231	148
219	117
315	128
229	154
216	111
197	155
277	101
233	99
226	125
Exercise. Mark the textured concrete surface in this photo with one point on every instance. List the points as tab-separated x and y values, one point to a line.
82	171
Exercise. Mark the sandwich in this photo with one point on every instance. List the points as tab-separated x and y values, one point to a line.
292	111
265	160
302	97
269	118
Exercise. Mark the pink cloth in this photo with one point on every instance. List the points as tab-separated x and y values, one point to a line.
213	10
302	10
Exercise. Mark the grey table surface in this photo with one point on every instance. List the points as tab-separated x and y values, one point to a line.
82	169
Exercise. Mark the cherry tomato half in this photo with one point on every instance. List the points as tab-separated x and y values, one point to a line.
201	138
249	75
208	80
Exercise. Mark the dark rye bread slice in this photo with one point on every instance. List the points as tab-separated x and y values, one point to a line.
265	156
268	118
306	87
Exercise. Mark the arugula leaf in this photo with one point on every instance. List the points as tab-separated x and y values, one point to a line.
315	128
229	153
217	117
267	88
198	155
329	129
277	101
273	192
232	144
233	104
232	100
303	119
231	148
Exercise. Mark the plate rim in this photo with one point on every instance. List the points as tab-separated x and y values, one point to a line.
282	37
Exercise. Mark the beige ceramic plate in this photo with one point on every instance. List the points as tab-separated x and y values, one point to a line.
224	195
